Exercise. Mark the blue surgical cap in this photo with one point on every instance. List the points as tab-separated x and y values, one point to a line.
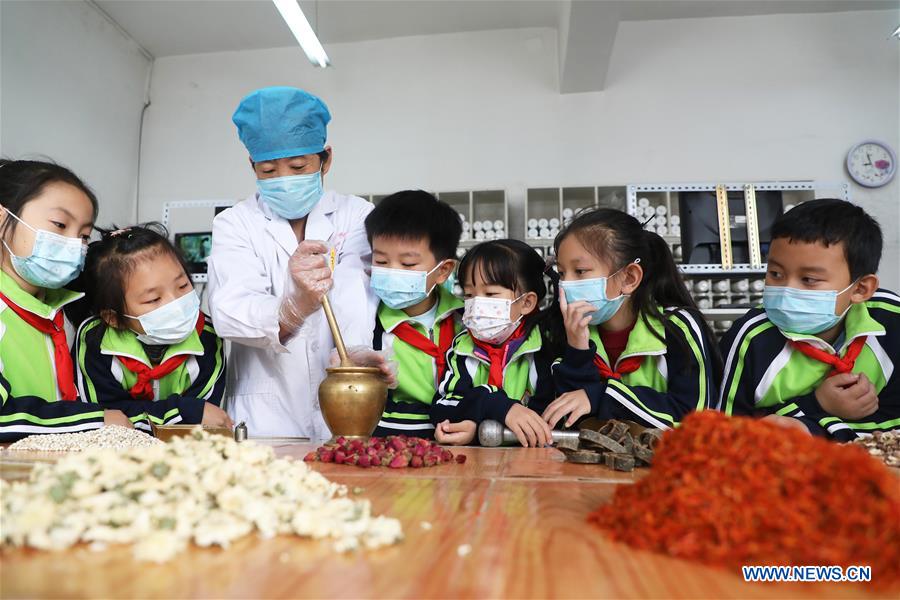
279	122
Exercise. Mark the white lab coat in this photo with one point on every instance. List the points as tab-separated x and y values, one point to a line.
274	387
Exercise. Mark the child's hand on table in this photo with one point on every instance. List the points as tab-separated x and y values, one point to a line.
576	318
528	426
213	416
575	404
116	417
455	434
847	396
786	422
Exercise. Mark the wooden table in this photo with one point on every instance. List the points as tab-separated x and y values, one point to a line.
520	511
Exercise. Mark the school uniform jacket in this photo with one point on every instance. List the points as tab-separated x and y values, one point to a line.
179	396
408	406
765	374
30	398
466	394
675	377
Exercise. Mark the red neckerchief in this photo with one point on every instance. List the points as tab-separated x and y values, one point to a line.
143	388
840	365
406	332
56	329
498	355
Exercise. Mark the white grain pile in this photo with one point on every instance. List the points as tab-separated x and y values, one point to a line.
201	488
111	436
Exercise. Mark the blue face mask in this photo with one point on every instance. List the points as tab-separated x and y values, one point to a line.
593	291
291	197
55	260
171	323
401	288
802	311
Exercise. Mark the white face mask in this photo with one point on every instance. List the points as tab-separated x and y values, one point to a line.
489	320
171	323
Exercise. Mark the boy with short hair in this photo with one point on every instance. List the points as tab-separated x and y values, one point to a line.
821	352
414	238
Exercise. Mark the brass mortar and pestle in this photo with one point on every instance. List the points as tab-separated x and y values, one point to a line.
351	398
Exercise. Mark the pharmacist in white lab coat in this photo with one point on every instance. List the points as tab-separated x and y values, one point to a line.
270	267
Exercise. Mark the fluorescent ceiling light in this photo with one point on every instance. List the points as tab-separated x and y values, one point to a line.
293	15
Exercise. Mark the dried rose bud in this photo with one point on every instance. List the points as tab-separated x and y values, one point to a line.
446	456
326	456
417	462
365	461
400	461
311	457
340	457
461	458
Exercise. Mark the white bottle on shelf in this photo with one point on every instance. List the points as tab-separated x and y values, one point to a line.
490	235
740	285
466	226
499	234
661	210
725	325
701	286
532	223
721	285
703	303
545	232
476	226
722	302
676	230
532	232
542	223
479	235
677	252
553	223
643	202
758	285
662	230
674	220
568	213
487	225
740	300
661	220
498	224
465	236
554	232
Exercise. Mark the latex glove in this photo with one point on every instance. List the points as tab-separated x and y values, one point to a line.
363	356
310	276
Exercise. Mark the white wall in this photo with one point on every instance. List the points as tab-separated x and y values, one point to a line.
746	98
72	87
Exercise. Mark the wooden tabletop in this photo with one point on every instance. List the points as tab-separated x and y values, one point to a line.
520	512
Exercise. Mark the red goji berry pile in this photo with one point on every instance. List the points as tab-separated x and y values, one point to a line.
394	451
737	491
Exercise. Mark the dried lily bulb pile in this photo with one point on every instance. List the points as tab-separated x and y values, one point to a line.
201	488
883	445
112	436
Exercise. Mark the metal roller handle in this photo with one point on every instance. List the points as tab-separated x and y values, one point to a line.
492	434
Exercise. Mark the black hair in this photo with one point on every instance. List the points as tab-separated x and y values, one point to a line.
415	215
618	238
21	181
829	221
111	260
516	266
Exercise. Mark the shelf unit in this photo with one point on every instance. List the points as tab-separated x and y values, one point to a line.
549	209
642	197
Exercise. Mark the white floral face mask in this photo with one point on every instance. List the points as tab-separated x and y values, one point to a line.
489	320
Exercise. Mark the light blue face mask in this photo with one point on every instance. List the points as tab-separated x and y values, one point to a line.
55	259
171	323
401	288
291	197
593	291
802	311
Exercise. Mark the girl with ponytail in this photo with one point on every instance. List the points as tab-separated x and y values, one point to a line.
636	346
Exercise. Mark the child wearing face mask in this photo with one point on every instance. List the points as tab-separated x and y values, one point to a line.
414	238
637	347
46	216
822	353
149	348
499	368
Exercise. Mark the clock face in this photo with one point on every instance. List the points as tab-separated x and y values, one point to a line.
871	164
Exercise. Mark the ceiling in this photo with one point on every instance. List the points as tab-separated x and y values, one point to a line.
173	27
